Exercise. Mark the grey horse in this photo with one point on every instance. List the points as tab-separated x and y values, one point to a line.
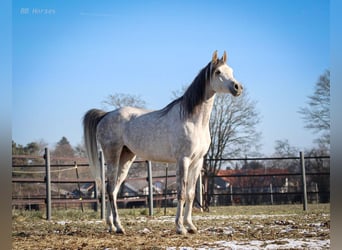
178	133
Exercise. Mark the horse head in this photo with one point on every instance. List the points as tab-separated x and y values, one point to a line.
222	79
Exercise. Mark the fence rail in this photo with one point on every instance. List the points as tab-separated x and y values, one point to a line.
224	196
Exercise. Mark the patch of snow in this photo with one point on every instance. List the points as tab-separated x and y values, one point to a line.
145	231
286	230
62	222
268	244
299	244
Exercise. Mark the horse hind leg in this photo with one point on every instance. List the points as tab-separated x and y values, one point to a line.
112	159
109	207
125	161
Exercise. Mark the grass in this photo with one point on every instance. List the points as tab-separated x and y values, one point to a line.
88	214
74	229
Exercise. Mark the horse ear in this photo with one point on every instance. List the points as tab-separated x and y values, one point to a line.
224	57
214	58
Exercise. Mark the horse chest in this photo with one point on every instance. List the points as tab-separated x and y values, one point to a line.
194	142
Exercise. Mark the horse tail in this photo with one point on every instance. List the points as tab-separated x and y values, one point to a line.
90	122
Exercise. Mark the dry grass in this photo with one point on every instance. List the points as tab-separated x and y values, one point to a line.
72	229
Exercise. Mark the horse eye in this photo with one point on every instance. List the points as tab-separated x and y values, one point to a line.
218	72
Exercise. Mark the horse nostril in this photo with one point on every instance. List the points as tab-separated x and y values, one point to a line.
236	86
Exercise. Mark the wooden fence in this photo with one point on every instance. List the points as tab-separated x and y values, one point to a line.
226	196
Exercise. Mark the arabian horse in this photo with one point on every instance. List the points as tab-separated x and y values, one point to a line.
178	133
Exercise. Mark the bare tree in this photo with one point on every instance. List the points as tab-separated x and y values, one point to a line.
233	134
284	149
119	100
233	129
316	114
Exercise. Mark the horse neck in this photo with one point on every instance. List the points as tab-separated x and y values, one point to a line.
202	116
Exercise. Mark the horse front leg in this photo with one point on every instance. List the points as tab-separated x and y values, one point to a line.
194	173
182	178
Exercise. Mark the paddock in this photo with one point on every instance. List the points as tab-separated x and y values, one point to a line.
228	227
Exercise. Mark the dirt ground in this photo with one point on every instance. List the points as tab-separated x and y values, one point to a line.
240	227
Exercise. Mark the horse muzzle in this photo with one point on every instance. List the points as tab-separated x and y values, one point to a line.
237	89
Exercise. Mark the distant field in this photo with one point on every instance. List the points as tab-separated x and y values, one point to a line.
233	227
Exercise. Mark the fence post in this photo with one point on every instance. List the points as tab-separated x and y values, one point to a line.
150	189
166	177
305	197
317	196
48	183
271	191
78	185
103	186
96	196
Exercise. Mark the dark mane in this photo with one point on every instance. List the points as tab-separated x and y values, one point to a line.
195	94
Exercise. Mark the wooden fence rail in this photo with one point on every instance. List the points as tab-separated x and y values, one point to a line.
149	198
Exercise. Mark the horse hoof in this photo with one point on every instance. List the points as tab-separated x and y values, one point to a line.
181	231
120	231
192	230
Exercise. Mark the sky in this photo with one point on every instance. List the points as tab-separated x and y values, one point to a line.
68	56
